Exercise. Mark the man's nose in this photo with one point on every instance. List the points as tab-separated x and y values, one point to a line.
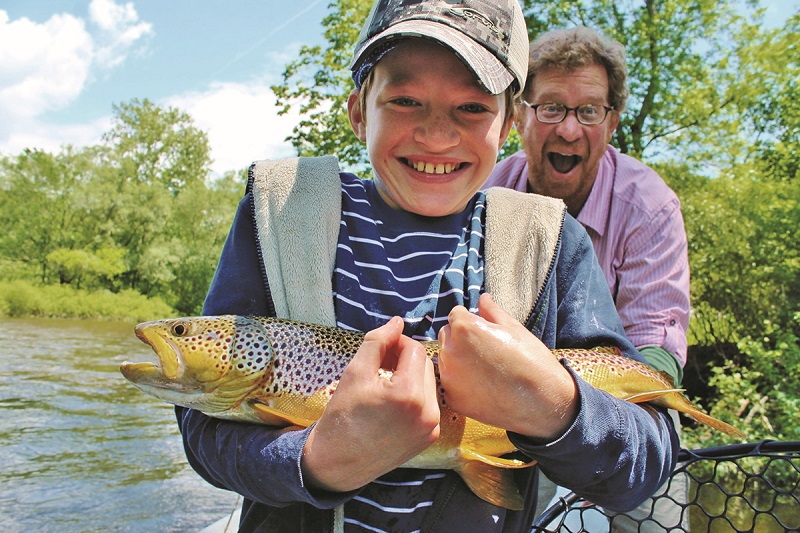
569	129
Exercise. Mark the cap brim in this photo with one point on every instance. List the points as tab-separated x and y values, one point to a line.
491	73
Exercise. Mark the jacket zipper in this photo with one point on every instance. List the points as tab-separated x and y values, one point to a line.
250	180
531	322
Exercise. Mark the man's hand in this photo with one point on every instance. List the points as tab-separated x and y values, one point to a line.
494	370
374	424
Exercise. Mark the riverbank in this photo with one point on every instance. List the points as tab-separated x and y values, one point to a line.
22	299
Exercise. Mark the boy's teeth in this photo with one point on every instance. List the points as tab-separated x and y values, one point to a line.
430	168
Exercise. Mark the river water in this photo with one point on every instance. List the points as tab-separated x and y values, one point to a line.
81	449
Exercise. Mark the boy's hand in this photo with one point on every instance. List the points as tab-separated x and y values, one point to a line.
373	424
495	371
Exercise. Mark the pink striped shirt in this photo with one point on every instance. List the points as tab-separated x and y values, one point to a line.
635	223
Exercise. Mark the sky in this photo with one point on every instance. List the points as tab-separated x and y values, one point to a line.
64	64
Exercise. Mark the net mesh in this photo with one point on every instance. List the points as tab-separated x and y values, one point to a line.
735	488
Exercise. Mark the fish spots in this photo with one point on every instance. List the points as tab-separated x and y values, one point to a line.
306	357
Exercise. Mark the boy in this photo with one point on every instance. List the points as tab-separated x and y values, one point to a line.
435	82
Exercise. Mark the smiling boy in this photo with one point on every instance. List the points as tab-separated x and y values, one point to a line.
435	81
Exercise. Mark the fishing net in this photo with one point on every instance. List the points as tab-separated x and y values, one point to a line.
735	488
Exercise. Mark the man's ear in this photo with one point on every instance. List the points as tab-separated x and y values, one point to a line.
519	117
613	118
357	119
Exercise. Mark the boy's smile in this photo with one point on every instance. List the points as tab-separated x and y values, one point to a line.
432	131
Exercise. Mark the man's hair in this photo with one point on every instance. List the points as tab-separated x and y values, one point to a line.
569	49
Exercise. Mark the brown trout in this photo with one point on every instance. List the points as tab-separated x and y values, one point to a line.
283	373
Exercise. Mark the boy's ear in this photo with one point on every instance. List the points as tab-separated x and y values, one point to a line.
357	119
505	131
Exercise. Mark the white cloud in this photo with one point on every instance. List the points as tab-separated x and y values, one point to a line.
46	66
42	66
52	137
120	30
241	121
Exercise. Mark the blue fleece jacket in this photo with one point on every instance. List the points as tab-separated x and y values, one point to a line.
615	454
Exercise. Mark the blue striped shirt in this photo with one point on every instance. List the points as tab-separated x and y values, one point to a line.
395	263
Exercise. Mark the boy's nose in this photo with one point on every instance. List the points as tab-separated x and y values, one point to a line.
437	132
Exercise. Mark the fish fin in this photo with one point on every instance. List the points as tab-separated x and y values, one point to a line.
715	423
472	455
273	417
681	403
650	395
492	484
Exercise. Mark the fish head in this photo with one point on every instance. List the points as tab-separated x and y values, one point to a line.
206	363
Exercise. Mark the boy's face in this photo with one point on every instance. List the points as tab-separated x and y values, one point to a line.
432	132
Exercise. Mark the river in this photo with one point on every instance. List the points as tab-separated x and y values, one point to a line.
81	449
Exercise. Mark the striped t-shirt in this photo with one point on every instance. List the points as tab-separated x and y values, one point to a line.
394	263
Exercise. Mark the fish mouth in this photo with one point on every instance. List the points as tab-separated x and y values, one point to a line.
169	364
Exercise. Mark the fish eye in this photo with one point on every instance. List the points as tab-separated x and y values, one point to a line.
179	329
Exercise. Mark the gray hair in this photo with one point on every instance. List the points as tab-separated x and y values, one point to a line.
569	49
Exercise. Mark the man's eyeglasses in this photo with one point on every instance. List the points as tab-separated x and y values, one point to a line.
588	115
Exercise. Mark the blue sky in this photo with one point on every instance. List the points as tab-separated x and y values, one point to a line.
64	63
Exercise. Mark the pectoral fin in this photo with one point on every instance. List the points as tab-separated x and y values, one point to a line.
499	462
273	417
650	395
492	484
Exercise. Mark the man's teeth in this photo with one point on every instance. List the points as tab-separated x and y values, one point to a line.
430	168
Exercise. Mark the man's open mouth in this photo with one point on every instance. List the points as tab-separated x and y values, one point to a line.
563	163
432	168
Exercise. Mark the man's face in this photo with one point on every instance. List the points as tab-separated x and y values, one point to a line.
432	132
563	158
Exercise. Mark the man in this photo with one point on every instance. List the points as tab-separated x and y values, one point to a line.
575	93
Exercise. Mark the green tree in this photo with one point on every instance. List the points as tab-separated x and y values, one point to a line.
41	204
157	145
153	155
319	82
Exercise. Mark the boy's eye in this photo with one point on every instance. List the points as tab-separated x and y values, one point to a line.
474	108
404	102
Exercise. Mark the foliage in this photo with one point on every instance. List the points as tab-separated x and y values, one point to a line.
319	83
22	299
756	389
689	62
81	266
744	254
135	213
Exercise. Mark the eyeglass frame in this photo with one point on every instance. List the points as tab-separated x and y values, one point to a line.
567	110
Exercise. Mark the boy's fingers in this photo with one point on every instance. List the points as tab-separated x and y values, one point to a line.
492	312
377	343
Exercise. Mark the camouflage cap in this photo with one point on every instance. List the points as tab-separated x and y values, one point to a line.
490	37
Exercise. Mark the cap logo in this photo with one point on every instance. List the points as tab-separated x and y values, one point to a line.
477	16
